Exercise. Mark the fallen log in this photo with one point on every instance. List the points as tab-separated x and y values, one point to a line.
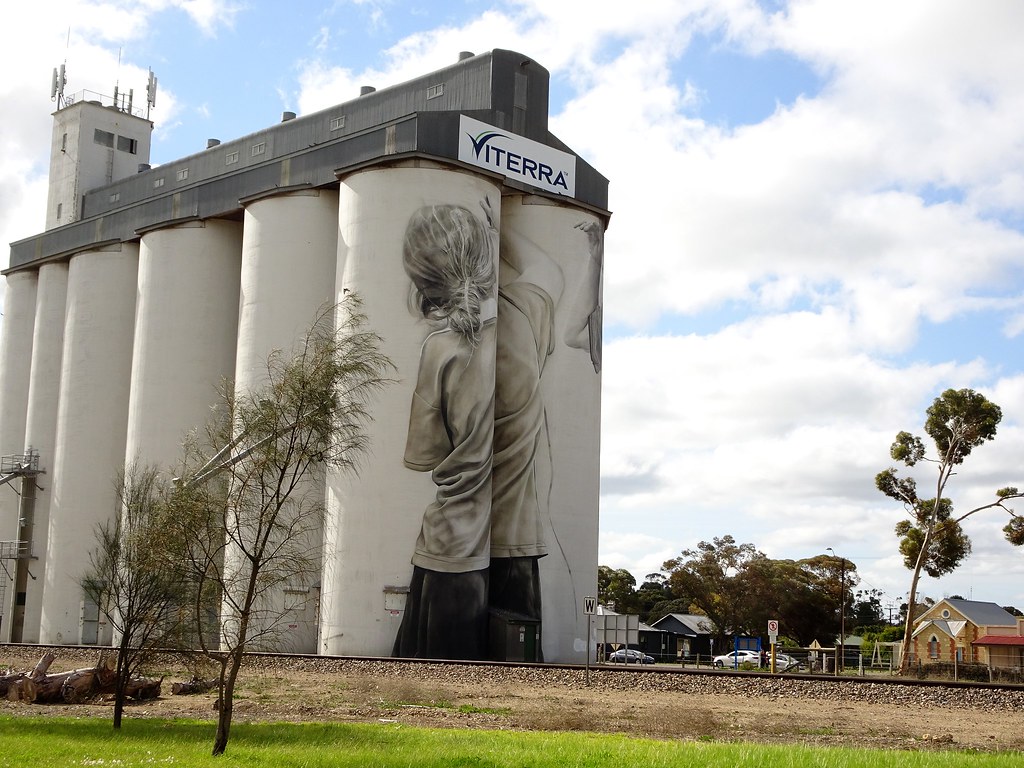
74	686
195	685
22	686
142	688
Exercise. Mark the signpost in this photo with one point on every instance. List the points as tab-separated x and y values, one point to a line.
589	609
773	635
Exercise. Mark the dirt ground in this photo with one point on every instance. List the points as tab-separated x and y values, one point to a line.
488	697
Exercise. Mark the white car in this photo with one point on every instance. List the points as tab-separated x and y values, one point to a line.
738	659
784	662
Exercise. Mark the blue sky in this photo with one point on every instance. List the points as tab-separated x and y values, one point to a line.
818	225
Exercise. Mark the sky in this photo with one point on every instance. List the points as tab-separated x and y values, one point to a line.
817	226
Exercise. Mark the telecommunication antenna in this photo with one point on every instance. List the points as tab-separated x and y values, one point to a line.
57	85
150	93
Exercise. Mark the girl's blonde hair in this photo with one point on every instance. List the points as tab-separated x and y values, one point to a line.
449	256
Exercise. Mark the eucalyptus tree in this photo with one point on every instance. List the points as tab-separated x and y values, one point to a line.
933	540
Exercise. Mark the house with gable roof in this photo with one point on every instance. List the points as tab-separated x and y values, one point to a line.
691	634
969	631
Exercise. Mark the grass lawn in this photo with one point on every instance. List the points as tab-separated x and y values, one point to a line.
39	741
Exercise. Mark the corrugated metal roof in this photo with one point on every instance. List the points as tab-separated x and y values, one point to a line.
1000	640
982	614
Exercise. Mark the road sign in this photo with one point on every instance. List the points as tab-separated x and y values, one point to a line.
773	627
590	605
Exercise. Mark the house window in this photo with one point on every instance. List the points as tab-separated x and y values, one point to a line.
157	183
115	197
131	146
64	143
105	138
259	149
60	208
945	613
183	174
435	90
337	123
231	158
933	647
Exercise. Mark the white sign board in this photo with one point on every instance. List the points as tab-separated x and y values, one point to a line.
516	157
590	605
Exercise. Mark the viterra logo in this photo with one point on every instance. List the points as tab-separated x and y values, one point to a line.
505	160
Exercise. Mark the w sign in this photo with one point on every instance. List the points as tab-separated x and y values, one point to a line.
590	605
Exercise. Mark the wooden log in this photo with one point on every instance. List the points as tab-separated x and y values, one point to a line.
142	688
22	689
195	685
42	666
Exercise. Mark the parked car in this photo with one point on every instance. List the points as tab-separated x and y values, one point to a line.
783	662
738	659
630	656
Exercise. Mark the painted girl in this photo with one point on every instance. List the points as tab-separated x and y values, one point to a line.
450	256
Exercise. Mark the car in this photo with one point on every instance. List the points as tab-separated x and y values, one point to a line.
783	662
630	656
738	659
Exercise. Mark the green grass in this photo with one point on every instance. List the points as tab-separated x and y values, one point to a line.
37	741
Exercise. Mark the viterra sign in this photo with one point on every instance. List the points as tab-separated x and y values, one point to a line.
516	157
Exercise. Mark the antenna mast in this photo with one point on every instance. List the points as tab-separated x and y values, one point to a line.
150	93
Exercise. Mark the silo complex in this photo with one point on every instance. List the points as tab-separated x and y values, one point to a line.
473	239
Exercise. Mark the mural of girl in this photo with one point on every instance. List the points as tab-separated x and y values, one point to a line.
450	257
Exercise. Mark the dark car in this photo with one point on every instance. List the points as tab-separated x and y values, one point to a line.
629	656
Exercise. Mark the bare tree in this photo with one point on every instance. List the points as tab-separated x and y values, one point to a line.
933	540
249	513
130	578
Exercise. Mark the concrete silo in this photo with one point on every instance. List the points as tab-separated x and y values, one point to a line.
375	516
15	368
185	330
289	255
92	420
40	433
564	439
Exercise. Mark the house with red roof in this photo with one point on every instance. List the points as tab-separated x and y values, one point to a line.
969	631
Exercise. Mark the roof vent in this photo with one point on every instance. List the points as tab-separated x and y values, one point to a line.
366	89
211	143
144	167
463	55
286	116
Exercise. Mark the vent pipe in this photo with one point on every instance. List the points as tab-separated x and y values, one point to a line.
463	55
286	116
211	143
366	89
144	167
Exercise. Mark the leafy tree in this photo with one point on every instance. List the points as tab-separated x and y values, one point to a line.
653	592
243	513
933	541
706	575
616	589
130	579
867	611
